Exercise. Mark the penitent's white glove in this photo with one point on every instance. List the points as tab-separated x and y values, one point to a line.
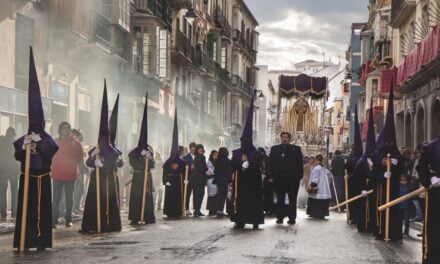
144	152
35	137
370	162
394	161
435	182
27	141
168	184
95	152
149	156
387	175
98	164
245	165
364	193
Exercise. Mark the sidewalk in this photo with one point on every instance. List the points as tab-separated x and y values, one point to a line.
7	226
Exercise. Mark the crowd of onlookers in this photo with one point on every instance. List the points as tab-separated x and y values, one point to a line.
70	178
411	210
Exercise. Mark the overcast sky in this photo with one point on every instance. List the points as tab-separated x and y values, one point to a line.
295	30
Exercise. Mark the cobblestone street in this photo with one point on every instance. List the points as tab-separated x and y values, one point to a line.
215	241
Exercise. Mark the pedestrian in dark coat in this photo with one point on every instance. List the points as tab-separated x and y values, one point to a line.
199	179
222	177
338	171
9	172
287	170
211	186
189	160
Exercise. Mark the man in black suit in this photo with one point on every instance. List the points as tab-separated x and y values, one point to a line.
286	163
189	160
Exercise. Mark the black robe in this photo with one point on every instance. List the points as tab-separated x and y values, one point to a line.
246	203
174	174
38	232
380	189
349	166
429	166
110	213
364	212
137	162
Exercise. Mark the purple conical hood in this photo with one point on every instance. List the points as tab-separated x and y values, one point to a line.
371	136
387	137
174	153
35	104
104	133
357	135
114	122
143	134
247	135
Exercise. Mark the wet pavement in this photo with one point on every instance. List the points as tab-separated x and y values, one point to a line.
212	240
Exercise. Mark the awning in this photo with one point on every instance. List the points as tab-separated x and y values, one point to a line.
423	54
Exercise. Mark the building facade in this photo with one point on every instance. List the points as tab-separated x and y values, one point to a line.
180	52
353	56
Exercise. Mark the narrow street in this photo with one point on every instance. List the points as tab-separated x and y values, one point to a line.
215	241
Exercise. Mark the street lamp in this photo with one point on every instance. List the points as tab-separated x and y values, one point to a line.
349	72
190	15
260	94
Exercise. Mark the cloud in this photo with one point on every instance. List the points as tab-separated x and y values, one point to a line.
296	30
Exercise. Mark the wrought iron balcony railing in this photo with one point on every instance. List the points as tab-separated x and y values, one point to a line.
222	21
244	44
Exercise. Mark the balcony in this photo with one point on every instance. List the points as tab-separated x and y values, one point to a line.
136	84
110	36
401	10
222	22
180	4
240	85
183	46
203	62
158	8
224	77
244	45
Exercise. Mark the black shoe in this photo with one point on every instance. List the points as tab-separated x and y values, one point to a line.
221	214
197	214
134	223
69	224
41	248
290	222
239	226
255	227
280	221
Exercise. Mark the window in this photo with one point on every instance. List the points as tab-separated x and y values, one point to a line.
163	58
146	42
136	50
224	57
106	8
124	14
214	51
209	103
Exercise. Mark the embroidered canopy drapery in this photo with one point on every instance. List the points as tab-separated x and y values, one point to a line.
303	85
